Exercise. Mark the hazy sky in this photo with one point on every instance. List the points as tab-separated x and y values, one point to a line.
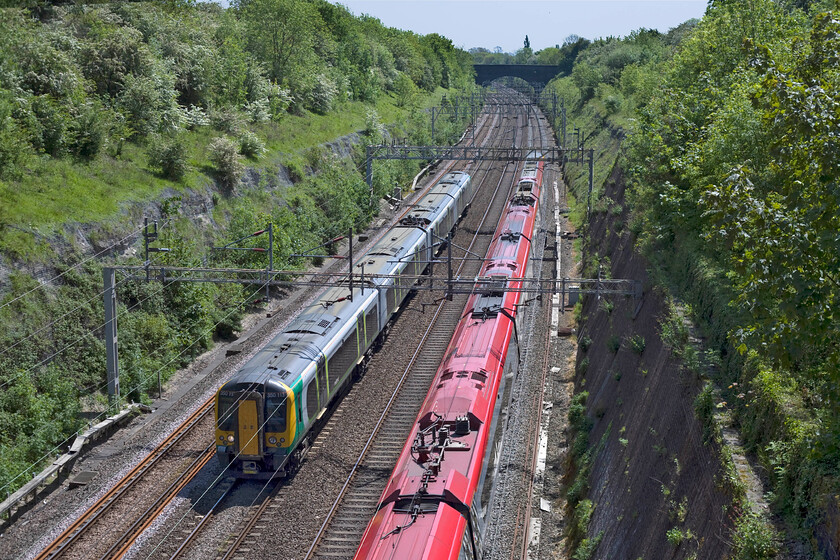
483	23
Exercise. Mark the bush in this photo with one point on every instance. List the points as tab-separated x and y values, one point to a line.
143	102
584	342
169	157
323	94
614	343
675	536
12	146
587	547
224	155
583	365
195	117
89	131
581	515
637	343
250	145
754	538
51	133
227	120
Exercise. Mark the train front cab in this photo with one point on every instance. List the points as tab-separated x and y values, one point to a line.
255	426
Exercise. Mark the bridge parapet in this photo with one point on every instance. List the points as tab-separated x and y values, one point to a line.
533	73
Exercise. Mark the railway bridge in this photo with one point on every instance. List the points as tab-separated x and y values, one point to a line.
532	73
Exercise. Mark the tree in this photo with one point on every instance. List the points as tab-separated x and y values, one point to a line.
527	42
282	33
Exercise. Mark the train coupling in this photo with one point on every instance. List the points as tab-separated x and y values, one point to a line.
250	467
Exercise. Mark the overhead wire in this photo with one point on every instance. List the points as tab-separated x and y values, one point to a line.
102	414
77	265
206	332
78	340
56	320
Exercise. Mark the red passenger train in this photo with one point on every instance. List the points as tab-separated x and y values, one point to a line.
428	508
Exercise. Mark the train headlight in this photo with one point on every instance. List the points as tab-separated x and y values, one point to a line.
230	438
272	440
222	438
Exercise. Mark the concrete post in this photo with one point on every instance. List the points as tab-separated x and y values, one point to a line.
112	363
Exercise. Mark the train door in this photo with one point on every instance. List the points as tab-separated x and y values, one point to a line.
322	380
250	420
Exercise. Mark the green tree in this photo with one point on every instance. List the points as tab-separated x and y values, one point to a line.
282	33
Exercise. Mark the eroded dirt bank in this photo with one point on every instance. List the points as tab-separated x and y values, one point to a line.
656	487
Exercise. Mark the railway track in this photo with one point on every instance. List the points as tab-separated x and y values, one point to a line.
507	535
105	530
288	511
345	524
369	472
269	499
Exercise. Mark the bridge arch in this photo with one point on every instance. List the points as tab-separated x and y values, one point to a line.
532	73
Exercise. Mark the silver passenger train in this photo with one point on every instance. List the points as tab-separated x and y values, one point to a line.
265	413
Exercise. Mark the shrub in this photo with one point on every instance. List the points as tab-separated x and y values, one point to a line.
587	547
195	117
250	145
323	94
754	538
584	342
674	331
88	131
613	103
583	365
143	102
614	343
279	100
13	149
169	157
637	343
224	155
227	120
52	126
675	536
580	519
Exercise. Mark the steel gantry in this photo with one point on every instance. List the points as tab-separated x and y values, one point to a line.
550	154
355	282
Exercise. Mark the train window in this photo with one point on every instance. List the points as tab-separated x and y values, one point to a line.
372	324
227	413
311	399
390	301
275	413
341	361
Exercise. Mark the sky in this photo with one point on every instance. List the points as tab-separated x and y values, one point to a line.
497	23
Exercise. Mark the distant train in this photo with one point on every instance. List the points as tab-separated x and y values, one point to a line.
431	504
266	411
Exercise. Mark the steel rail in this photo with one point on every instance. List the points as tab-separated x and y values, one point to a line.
264	505
80	526
330	515
121	547
231	482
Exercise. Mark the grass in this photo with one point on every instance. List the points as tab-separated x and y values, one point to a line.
60	191
302	131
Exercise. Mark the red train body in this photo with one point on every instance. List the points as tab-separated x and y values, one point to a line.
426	509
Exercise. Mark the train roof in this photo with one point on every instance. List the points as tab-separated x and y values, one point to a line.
301	342
292	351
